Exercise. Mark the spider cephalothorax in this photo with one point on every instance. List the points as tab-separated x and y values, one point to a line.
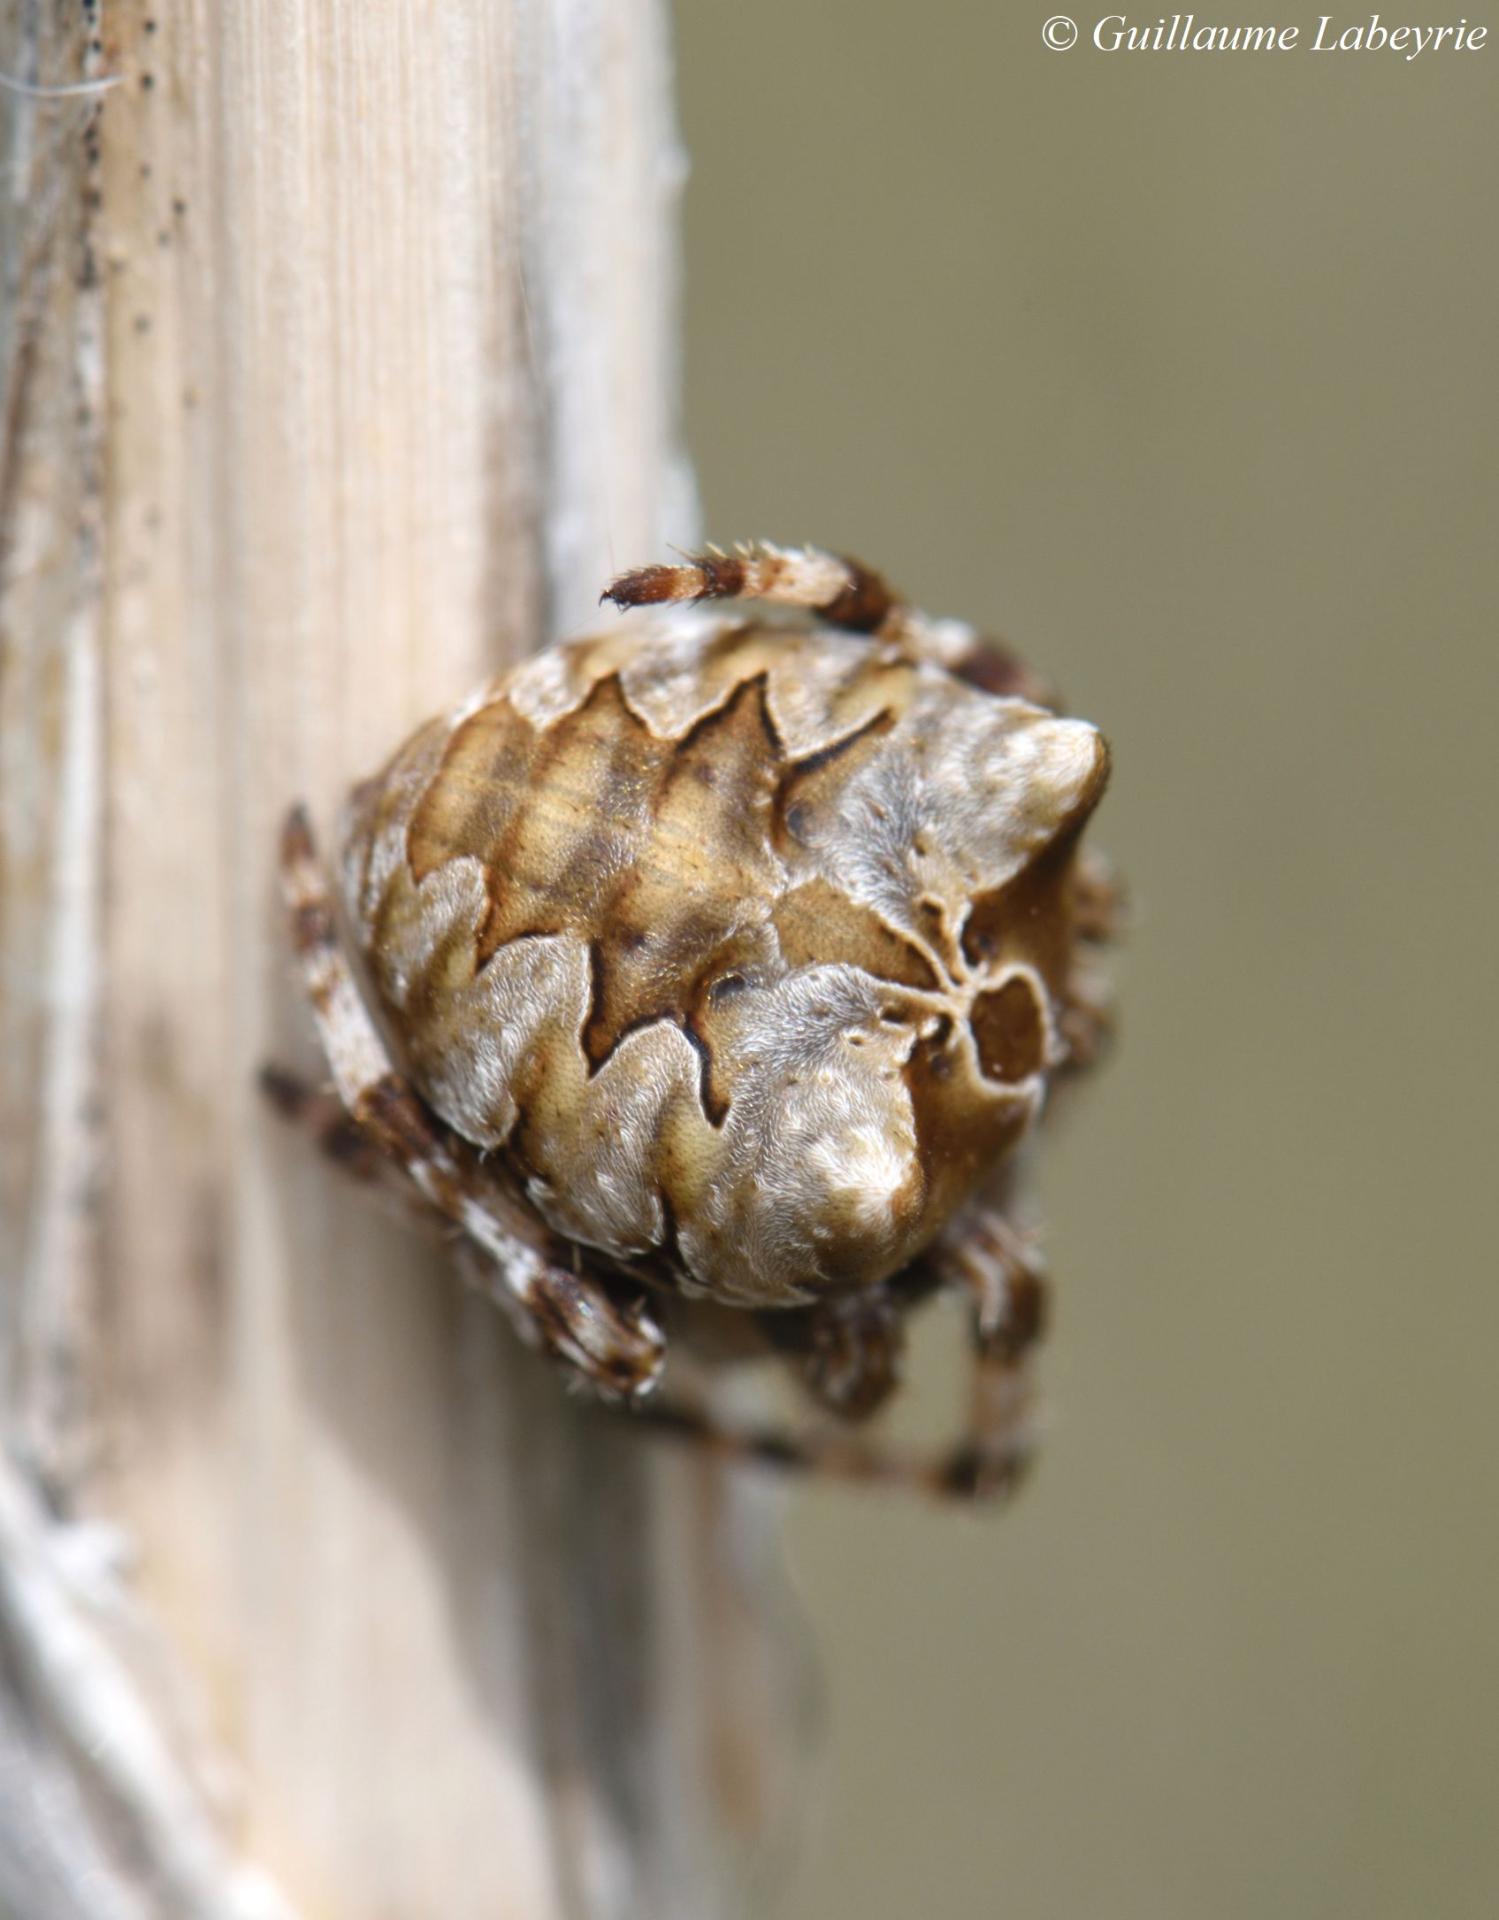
728	957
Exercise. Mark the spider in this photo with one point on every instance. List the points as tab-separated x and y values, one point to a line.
725	958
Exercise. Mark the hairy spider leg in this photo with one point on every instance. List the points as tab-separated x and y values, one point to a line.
844	593
618	1350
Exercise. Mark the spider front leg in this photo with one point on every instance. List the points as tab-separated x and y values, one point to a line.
846	594
617	1350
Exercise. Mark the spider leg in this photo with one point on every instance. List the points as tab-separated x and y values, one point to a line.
988	1459
1098	901
319	1114
617	1350
843	592
1085	1020
324	1116
1005	1281
967	1470
1085	1014
857	1345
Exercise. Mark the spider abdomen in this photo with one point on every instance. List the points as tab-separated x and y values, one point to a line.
742	945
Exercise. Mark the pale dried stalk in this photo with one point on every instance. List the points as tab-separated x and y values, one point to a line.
338	368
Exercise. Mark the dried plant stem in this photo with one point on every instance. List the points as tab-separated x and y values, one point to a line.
337	361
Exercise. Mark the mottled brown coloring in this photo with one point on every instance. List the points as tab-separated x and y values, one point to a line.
730	956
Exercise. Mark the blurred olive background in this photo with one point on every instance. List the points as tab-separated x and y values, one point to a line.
1178	370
